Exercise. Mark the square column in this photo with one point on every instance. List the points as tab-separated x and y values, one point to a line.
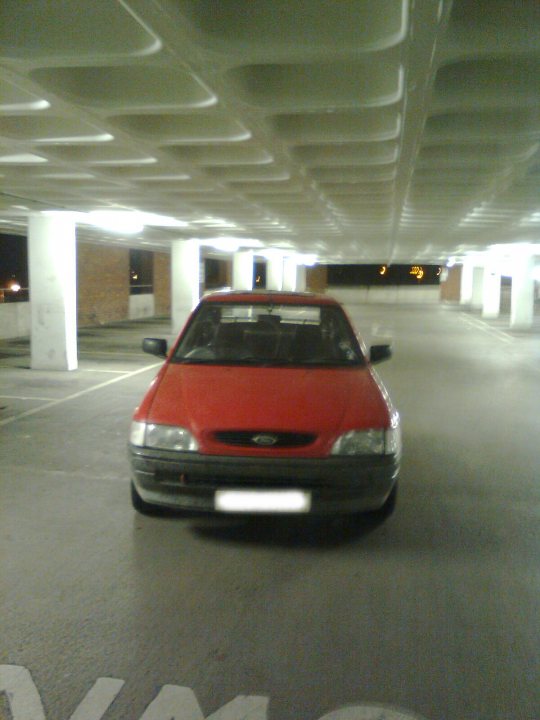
491	295
274	272
243	270
294	275
290	277
477	287
466	287
522	301
301	278
52	264
185	281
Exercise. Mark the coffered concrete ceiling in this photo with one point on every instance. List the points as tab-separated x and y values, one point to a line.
359	130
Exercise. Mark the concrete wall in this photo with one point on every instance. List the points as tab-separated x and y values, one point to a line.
427	294
14	320
141	306
102	284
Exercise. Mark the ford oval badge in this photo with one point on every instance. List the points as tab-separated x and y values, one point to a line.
265	439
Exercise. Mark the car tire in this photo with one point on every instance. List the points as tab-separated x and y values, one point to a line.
389	505
141	506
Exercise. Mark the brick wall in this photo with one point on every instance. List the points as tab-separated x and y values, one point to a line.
162	283
102	284
316	278
451	288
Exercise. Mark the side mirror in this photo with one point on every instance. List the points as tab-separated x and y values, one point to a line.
155	346
378	353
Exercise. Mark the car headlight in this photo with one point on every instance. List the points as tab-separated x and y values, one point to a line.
164	437
370	442
360	442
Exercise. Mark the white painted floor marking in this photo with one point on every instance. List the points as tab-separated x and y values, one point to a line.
370	712
172	702
22	695
179	703
108	352
480	325
96	370
26	397
243	707
98	699
76	395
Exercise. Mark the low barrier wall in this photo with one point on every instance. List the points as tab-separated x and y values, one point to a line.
15	320
15	317
141	306
402	294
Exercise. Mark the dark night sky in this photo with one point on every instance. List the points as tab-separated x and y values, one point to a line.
13	259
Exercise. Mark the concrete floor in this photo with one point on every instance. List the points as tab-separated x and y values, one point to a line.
435	611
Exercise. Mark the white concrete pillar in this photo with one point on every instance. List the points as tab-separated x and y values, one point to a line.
477	287
522	302
52	265
274	272
491	294
243	270
466	288
290	278
301	278
185	280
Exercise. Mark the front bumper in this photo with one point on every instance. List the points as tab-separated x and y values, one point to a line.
188	481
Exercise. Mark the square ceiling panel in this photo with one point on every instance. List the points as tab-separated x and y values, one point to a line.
314	86
14	99
376	153
134	87
51	129
106	154
488	83
193	128
281	25
244	154
57	28
483	126
369	124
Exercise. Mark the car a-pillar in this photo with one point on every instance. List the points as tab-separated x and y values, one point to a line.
52	265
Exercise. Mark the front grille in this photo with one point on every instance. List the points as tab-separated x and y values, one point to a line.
264	438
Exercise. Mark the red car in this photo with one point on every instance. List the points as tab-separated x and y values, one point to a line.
266	403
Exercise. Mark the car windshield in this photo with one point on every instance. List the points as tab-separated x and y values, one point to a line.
253	333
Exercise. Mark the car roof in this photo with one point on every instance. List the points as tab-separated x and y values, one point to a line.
265	297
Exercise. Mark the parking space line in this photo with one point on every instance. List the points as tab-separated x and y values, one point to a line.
96	370
480	325
108	352
26	397
76	395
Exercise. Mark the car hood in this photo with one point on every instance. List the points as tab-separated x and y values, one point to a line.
319	400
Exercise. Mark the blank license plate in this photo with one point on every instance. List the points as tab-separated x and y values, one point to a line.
262	501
